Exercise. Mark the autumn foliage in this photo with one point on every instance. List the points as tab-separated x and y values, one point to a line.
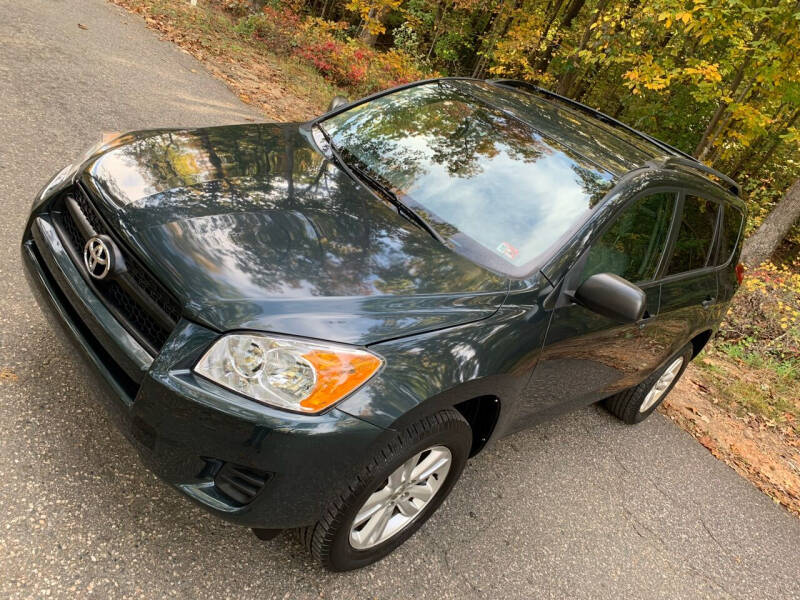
327	46
719	79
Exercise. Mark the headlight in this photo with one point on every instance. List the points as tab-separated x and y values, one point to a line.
287	373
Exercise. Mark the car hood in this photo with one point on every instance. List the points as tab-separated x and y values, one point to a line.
251	227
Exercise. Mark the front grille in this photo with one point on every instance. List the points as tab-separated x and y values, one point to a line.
127	386
136	298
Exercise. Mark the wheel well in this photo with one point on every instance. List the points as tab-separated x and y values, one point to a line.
481	413
699	341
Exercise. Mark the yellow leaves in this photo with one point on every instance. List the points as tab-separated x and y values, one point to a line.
372	11
667	17
647	74
707	71
657	83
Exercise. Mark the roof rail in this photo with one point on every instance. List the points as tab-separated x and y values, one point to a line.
601	116
691	163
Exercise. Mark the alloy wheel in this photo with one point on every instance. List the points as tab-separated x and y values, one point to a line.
661	385
402	498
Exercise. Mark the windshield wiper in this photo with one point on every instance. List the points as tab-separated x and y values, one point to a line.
357	173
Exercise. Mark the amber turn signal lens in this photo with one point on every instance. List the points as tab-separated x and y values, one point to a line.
296	374
338	374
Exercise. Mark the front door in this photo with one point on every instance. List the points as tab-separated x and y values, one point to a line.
587	356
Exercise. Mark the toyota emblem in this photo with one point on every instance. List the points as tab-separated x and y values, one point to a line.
98	256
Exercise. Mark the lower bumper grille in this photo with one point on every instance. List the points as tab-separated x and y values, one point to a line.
240	484
136	298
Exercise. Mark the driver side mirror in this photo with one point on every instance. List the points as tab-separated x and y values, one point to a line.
336	102
612	296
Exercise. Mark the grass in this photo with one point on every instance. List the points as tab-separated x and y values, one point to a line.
752	384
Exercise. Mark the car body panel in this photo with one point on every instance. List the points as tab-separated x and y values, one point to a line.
253	228
426	372
588	357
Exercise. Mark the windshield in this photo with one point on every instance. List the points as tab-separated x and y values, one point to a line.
485	179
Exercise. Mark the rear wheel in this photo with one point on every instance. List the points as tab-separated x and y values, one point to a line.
637	403
394	495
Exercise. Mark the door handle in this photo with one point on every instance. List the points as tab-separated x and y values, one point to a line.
707	302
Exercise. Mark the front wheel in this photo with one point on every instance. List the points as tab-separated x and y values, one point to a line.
398	490
636	404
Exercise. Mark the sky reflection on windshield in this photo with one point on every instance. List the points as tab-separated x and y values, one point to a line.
471	168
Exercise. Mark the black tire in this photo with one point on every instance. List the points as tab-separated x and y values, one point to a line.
329	539
626	405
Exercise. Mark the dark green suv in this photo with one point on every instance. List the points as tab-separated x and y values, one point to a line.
313	326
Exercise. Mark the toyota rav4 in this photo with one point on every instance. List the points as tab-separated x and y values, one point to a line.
312	326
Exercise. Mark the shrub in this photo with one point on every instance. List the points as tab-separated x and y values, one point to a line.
764	316
327	47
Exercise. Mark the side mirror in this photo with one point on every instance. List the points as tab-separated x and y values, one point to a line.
612	296
336	102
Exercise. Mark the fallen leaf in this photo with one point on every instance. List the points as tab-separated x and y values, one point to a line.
7	374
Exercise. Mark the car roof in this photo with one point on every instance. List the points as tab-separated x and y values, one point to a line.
613	150
608	132
612	146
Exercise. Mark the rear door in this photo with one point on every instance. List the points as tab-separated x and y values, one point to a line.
587	356
689	291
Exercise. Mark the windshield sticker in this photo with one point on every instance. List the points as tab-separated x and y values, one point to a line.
508	251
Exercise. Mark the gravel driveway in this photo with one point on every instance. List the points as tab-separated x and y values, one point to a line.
580	507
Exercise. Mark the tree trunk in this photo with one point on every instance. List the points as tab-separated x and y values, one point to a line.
499	29
761	244
703	145
572	11
375	14
545	30
567	80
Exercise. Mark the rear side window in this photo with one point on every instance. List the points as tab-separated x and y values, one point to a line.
729	234
695	235
632	246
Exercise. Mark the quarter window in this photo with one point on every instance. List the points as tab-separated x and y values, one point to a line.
695	235
632	246
729	234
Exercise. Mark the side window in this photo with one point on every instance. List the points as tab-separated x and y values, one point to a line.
732	219
633	244
695	235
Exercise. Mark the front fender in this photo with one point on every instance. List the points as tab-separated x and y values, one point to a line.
427	372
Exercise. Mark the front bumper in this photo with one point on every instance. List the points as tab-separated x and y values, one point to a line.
186	429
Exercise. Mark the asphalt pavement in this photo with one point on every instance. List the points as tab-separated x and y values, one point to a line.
579	507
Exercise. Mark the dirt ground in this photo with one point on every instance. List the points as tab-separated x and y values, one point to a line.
766	453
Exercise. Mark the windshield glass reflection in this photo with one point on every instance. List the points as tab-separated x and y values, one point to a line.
470	168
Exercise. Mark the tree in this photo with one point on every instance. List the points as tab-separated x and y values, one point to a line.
765	240
716	78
